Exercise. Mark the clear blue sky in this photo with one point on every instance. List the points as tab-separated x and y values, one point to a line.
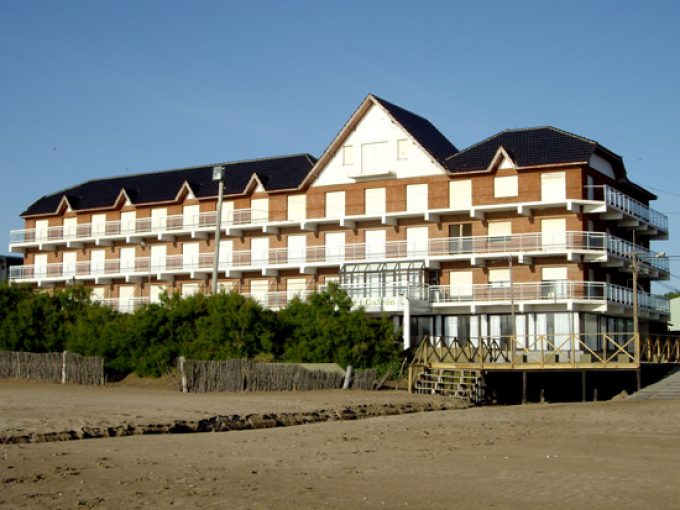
94	89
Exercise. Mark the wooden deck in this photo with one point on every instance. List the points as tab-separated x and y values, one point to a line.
542	353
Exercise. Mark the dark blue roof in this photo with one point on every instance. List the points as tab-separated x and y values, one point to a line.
544	145
428	136
277	173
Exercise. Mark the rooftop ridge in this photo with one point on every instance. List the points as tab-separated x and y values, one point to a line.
193	167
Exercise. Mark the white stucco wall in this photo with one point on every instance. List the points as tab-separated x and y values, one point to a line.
602	165
378	126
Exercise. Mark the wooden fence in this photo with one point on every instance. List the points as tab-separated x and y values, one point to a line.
238	375
57	367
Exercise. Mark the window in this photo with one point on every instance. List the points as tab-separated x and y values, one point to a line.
69	259
297	207
41	230
417	241
226	259
155	292
227	213
460	194
373	158
71	227
259	210
374	200
403	149
375	244
500	233
460	238
295	287
190	216
190	254
99	224
554	284
505	186
553	187
499	278
500	230
189	289
159	218
416	197
348	155
460	284
335	246
259	251
335	204
297	249
553	234
158	257
128	221
553	273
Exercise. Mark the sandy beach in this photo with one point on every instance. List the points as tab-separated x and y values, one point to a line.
619	454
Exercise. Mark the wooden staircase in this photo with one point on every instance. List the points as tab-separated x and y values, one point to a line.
461	384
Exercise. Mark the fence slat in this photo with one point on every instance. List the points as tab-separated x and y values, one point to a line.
56	367
237	375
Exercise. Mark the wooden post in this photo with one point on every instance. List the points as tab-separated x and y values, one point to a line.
524	387
183	375
638	379
594	394
63	367
583	385
348	378
410	379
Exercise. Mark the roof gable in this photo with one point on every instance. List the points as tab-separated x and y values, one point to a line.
377	121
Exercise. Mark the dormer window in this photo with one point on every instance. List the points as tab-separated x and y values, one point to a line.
373	159
348	155
403	149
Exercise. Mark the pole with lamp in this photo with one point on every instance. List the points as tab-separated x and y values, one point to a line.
218	175
635	267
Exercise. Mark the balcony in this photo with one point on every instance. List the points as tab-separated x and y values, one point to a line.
595	296
593	247
613	204
125	305
609	202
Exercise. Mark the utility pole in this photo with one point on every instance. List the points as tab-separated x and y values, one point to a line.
513	340
218	175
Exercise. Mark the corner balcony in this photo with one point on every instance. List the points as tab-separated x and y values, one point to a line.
612	204
591	247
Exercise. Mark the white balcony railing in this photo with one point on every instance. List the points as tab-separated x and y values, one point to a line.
242	218
125	305
449	248
553	291
628	205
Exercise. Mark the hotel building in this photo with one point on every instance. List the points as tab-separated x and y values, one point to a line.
528	232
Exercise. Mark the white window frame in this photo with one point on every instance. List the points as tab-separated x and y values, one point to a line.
460	194
348	155
335	204
297	207
417	197
505	186
375	201
500	277
403	146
